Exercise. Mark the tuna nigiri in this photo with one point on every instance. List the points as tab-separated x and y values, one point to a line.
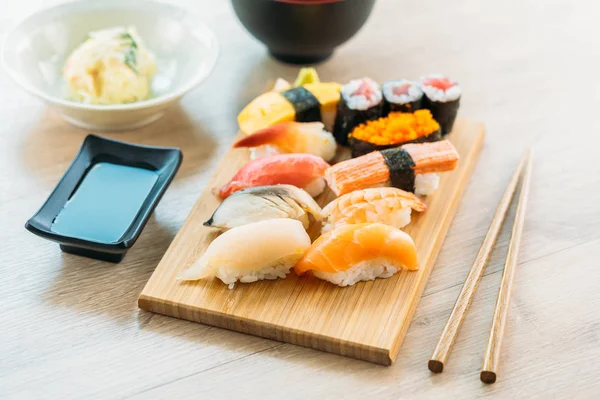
361	252
302	170
261	250
262	203
291	137
386	205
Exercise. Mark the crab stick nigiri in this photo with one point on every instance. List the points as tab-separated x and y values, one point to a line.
291	137
301	170
261	250
412	167
387	205
361	252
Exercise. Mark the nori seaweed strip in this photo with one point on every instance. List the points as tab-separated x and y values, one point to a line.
412	106
306	105
400	164
347	119
360	147
443	112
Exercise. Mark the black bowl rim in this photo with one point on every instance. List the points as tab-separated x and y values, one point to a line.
165	160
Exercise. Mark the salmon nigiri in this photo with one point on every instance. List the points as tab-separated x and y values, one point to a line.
291	137
301	170
361	252
388	205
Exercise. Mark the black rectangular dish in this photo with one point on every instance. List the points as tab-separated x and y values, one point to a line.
163	161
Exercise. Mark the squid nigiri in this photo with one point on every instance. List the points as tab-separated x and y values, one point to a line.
261	250
301	170
262	203
291	137
386	205
361	252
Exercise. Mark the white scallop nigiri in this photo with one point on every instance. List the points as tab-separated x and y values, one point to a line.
260	250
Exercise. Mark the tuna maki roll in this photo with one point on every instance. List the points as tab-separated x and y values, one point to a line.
360	101
394	130
442	97
401	96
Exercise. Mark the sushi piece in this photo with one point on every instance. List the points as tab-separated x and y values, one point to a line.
291	137
442	97
302	170
262	203
411	167
261	250
361	252
394	130
360	101
307	103
401	96
389	206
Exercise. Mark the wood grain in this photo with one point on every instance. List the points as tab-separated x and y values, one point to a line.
367	321
444	345
71	327
491	359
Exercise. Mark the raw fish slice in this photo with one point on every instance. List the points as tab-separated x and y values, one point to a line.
389	206
262	203
261	250
301	170
351	253
294	137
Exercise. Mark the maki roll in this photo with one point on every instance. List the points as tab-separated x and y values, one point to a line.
401	95
360	101
394	130
442	97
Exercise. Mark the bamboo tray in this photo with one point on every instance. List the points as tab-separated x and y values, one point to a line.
367	321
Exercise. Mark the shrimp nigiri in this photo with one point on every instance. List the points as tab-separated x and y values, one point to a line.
261	250
386	205
301	170
291	137
361	252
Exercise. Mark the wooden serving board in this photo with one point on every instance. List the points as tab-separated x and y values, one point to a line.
367	321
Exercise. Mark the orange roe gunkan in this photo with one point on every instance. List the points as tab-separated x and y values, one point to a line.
397	128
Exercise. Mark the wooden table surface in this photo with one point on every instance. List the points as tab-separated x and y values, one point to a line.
70	326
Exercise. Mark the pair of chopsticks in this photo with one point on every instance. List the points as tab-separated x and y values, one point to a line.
491	360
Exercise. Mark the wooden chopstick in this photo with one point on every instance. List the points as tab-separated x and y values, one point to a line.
489	370
448	336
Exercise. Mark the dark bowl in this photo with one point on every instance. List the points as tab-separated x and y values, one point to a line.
302	31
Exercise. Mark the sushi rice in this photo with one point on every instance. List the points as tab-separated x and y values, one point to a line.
426	184
359	101
368	270
278	269
414	91
436	94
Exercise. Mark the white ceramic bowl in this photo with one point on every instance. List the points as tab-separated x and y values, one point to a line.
35	51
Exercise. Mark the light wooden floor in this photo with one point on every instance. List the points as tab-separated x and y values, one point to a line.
70	328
